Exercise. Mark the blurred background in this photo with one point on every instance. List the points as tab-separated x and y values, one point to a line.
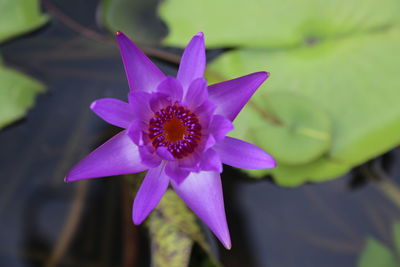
329	114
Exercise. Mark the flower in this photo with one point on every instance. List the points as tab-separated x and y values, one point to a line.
176	129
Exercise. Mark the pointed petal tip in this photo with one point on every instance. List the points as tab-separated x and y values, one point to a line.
141	73
93	105
136	220
263	74
199	34
273	164
227	244
119	35
69	178
269	161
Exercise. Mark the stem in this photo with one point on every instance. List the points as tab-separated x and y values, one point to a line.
91	34
268	116
390	190
384	184
70	225
74	25
130	238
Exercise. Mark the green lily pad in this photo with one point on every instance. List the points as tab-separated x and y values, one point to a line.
356	82
273	23
17	95
319	170
299	133
20	16
376	254
137	19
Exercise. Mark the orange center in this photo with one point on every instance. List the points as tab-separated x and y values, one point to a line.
174	130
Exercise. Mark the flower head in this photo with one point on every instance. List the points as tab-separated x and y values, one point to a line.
176	129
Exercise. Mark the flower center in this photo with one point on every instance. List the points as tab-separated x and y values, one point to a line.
176	128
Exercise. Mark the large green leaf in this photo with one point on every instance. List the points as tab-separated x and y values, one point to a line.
173	229
322	169
299	133
354	80
273	23
17	91
18	17
17	94
376	254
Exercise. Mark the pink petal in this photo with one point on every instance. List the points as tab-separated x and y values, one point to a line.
202	192
172	88
241	154
119	155
150	192
197	93
231	96
113	111
193	62
142	74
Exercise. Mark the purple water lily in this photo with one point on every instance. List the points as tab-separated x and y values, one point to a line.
176	129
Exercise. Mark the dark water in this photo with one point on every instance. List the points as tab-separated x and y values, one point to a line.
313	225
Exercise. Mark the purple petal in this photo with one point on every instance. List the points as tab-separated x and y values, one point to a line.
220	126
135	132
205	112
148	157
113	111
172	88
193	62
210	142
197	93
142	74
231	96
202	192
241	154
159	101
163	153
140	103
190	162
210	161
150	192
119	155
175	172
